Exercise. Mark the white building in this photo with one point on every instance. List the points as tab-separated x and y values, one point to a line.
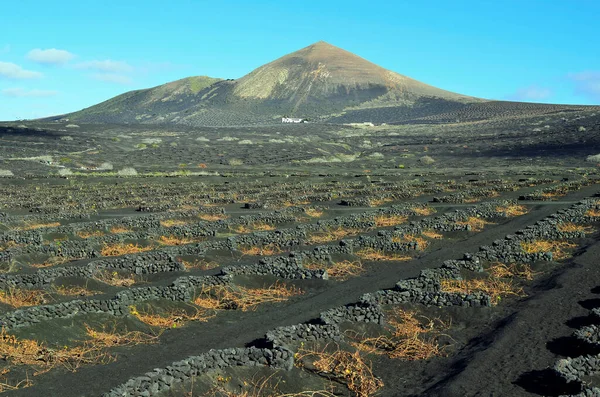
292	120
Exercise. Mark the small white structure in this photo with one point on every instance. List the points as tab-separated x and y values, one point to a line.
292	120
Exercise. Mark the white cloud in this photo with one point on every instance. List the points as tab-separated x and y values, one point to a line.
587	83
50	56
20	93
112	78
106	66
13	71
531	93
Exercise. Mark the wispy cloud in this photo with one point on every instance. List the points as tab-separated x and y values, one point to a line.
12	71
106	66
531	93
21	92
112	78
50	56
5	49
587	83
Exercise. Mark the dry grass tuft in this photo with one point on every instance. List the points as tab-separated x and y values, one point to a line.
110	338
512	210
424	211
8	245
6	386
172	319
412	337
33	226
494	287
389	220
213	217
173	222
432	234
74	290
557	248
201	264
422	244
593	212
24	297
221	297
119	249
86	235
262	387
522	271
477	224
351	369
313	212
52	261
120	230
569	227
114	278
378	202
265	250
342	270
175	240
30	352
331	235
255	227
371	254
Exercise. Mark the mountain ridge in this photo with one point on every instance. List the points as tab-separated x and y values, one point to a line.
319	81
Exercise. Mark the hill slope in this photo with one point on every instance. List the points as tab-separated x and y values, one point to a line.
318	81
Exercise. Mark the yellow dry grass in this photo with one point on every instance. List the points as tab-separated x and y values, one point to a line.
201	264
119	249
500	270
254	227
173	222
106	338
313	212
494	287
411	337
551	195
222	297
330	235
173	318
213	217
371	254
570	227
264	250
24	297
477	224
432	234
424	211
74	290
32	353
593	212
389	220
512	210
349	368
557	248
422	244
378	202
33	226
175	240
8	245
120	229
341	270
115	278
52	261
6	385
86	235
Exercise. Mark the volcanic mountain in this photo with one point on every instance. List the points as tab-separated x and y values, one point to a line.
320	82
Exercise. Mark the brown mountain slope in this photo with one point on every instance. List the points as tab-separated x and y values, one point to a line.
319	81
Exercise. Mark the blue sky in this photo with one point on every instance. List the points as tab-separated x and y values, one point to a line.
61	56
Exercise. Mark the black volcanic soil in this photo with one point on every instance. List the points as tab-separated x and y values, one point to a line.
183	173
